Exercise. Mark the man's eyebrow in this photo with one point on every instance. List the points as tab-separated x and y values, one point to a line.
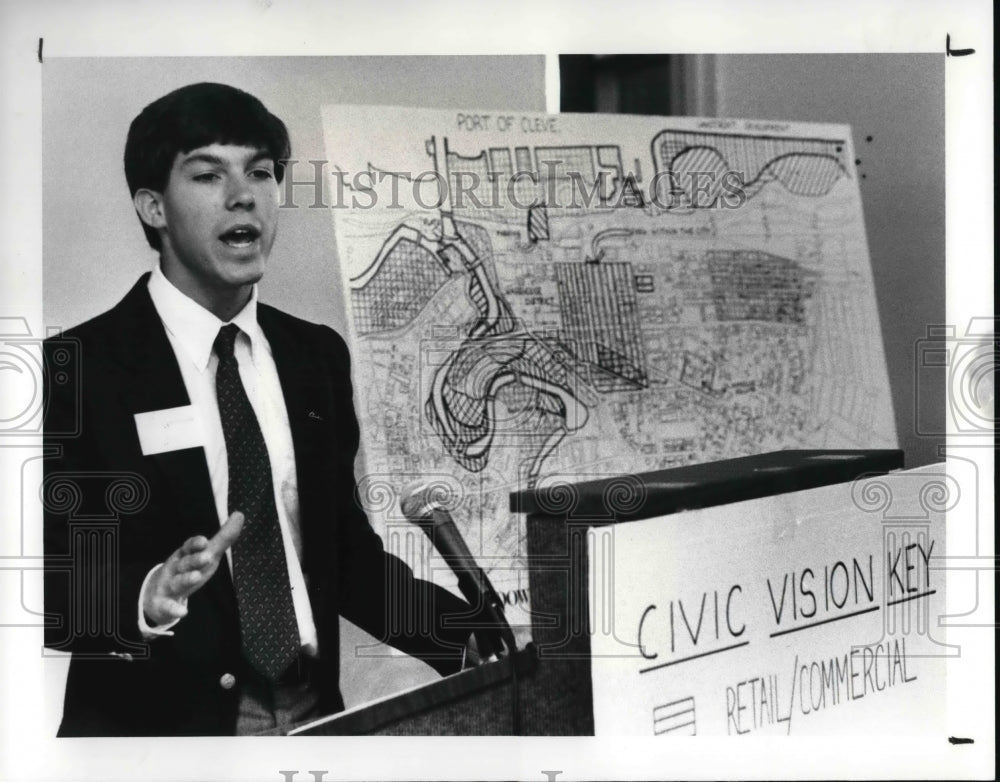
215	160
203	157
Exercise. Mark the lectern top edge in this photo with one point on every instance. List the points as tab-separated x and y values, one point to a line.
637	496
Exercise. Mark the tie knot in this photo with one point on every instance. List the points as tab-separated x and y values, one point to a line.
225	341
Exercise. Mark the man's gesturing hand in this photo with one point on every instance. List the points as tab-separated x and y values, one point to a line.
186	571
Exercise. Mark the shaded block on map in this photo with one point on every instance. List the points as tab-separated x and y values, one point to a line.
599	311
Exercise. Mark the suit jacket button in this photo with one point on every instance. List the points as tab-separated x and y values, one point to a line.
227	681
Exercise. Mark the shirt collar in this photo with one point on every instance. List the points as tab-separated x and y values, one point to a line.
193	327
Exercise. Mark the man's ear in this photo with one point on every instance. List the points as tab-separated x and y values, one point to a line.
149	206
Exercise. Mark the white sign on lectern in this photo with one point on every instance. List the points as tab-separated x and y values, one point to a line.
807	613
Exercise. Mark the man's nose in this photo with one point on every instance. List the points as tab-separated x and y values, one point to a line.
239	195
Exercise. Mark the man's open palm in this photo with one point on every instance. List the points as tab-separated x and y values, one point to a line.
186	571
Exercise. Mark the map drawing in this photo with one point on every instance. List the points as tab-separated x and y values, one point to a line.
804	166
544	299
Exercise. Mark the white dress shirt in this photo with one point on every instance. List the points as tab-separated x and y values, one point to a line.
192	330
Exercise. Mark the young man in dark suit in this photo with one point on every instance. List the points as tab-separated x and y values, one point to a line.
202	532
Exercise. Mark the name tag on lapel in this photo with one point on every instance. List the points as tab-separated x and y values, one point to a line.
172	429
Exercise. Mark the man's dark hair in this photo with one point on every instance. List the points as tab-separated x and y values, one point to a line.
196	116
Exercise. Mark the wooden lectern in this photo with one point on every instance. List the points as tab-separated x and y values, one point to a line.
553	672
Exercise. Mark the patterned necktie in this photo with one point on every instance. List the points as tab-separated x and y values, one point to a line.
260	572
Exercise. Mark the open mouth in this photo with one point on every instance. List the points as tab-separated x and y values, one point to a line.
241	236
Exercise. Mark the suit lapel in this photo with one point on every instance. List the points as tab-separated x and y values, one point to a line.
290	358
305	392
297	385
145	353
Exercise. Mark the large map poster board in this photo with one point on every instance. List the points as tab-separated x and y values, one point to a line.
562	297
813	613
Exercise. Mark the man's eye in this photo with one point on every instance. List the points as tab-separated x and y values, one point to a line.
207	176
261	173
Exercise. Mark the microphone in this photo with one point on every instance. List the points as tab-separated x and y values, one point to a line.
421	508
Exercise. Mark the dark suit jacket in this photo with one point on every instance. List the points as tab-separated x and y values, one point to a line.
112	513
